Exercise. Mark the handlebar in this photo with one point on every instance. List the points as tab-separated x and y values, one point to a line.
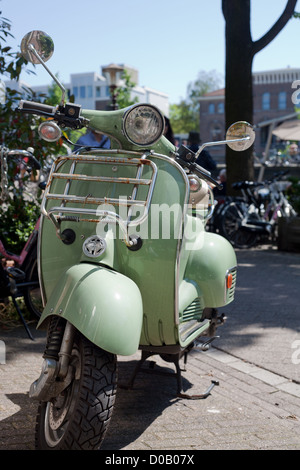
67	115
38	108
252	184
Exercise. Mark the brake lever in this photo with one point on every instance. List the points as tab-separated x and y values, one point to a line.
186	158
67	115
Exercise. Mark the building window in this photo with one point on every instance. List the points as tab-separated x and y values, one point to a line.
266	101
221	108
82	92
98	91
211	108
216	133
75	91
282	100
264	132
89	91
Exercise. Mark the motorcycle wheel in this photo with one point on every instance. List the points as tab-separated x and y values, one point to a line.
78	418
230	226
32	294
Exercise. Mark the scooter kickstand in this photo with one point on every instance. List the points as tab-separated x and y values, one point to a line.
201	396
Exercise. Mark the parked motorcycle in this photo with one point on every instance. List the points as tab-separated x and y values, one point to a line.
124	260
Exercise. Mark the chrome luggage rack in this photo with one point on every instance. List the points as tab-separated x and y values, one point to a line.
63	212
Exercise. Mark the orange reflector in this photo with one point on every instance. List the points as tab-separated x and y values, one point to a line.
229	280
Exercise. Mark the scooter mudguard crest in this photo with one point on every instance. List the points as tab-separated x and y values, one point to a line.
104	305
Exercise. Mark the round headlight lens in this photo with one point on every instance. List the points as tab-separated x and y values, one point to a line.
143	124
195	183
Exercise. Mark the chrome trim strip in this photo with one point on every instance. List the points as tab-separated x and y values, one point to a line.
230	270
180	239
41	280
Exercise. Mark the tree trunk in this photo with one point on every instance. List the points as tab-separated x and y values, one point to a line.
238	89
240	51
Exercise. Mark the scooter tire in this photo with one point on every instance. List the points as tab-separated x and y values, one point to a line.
78	418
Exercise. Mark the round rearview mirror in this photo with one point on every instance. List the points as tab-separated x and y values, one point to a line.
37	41
243	133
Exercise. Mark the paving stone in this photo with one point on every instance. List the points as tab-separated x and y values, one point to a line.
255	407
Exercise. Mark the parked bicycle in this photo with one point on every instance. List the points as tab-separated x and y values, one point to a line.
19	272
252	217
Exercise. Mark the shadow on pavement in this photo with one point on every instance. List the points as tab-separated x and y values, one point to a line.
138	408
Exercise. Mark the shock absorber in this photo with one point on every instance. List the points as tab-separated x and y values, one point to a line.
56	360
55	334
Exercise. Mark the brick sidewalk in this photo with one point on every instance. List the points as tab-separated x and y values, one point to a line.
256	405
248	410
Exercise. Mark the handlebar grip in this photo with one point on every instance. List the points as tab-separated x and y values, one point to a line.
38	107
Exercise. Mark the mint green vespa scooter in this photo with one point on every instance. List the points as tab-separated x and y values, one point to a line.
125	262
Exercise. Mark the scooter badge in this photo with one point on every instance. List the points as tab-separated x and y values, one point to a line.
94	246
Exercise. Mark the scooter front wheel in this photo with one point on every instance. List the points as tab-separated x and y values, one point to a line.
78	418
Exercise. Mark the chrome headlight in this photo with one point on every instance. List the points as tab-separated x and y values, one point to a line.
143	124
49	131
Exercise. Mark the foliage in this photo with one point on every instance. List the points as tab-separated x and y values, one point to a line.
14	126
205	83
11	63
185	116
123	92
17	221
18	131
183	119
9	317
54	94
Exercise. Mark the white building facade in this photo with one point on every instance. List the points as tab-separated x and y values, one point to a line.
91	90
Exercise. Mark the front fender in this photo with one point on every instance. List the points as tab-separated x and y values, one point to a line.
104	305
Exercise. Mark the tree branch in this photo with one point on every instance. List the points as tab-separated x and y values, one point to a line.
276	28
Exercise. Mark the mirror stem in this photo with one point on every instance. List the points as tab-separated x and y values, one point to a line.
32	49
209	144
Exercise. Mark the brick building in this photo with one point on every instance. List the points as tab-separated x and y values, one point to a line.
272	99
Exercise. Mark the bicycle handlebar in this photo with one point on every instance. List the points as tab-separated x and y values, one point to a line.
25	154
251	184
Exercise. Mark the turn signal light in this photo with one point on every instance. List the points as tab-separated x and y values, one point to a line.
229	281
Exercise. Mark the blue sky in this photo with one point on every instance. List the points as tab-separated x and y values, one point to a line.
168	41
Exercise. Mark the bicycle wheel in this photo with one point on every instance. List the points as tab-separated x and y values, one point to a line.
32	293
232	216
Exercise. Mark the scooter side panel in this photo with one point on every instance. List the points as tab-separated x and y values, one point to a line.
105	306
